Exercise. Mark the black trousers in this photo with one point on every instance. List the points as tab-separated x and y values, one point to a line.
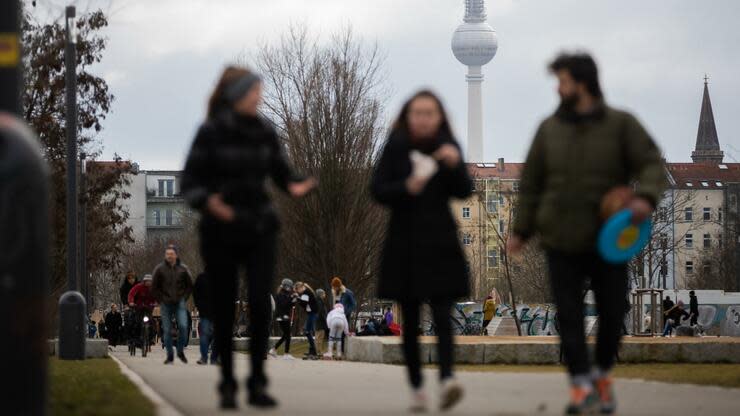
222	265
441	314
568	276
285	338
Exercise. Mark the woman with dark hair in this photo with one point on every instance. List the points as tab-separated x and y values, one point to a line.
420	169
233	154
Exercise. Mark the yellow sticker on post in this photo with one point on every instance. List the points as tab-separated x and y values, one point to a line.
9	49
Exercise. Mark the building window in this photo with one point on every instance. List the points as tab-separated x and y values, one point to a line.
501	200
706	267
156	216
492	258
689	267
168	217
688	214
515	187
467	239
707	240
501	227
719	214
166	187
689	241
707	214
466	212
492	202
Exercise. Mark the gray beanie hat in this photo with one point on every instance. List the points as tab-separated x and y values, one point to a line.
287	284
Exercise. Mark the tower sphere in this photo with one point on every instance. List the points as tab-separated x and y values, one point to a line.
474	44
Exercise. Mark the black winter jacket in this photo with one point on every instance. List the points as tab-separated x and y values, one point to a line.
283	304
202	297
422	258
309	301
125	289
233	155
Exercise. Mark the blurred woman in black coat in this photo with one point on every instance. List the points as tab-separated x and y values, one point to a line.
234	153
420	169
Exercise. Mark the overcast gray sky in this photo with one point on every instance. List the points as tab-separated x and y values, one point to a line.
163	57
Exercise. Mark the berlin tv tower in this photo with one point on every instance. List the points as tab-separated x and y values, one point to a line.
474	44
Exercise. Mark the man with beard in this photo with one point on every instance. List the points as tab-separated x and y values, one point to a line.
579	154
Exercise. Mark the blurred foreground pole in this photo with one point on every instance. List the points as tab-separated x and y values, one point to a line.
72	307
24	234
24	272
10	71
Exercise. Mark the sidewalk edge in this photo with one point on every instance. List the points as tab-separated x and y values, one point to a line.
163	407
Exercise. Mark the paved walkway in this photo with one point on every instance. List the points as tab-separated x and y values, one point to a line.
344	388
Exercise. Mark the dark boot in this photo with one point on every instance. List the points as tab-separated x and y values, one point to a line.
257	394
227	390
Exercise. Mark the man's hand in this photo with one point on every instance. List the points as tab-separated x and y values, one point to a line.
515	244
220	209
449	155
415	185
300	189
131	304
641	210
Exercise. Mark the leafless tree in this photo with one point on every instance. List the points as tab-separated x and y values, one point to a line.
326	101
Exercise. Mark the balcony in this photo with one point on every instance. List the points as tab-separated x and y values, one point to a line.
152	196
164	223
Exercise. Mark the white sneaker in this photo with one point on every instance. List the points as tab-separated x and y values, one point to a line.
272	353
451	393
418	401
328	355
288	357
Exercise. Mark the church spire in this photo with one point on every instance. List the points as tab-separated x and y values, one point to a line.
707	144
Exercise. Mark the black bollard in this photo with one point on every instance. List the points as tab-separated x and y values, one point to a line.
24	257
72	326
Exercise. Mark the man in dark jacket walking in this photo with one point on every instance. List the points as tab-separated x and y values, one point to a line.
578	155
113	324
171	286
693	308
203	299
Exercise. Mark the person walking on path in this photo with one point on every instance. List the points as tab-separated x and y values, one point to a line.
693	308
489	310
307	299
322	330
337	323
171	286
284	309
346	297
203	302
233	154
113	324
579	154
421	168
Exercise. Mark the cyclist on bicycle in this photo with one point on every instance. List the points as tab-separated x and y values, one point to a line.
142	301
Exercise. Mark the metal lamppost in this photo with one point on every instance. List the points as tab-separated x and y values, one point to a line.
84	283
72	307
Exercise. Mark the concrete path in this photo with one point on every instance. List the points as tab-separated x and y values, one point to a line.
347	388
